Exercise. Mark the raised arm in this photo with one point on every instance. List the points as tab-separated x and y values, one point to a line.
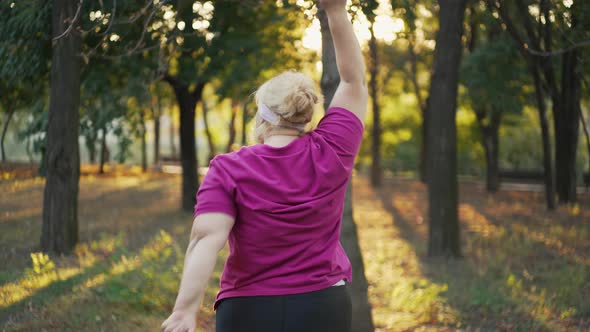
352	91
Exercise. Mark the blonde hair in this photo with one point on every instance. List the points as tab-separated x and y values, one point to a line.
291	95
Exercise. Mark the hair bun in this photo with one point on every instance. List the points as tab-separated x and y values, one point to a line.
298	106
291	95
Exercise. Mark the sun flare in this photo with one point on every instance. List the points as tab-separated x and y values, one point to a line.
386	28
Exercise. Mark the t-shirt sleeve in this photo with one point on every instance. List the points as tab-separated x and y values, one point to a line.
216	193
343	131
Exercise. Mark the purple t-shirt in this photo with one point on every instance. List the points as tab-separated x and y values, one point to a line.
287	203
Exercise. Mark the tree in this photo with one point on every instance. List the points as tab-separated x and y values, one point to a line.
212	149
16	96
217	42
114	95
245	118
60	200
534	34
534	65
10	112
24	54
139	105
495	82
235	105
158	98
418	57
369	8
362	320
443	237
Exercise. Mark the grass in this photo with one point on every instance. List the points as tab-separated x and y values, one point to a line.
124	274
523	268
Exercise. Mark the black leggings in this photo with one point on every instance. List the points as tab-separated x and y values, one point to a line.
326	310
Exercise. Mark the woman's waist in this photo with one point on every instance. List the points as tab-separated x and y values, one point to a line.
282	286
279	278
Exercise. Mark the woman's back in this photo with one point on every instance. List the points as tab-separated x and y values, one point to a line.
288	205
281	207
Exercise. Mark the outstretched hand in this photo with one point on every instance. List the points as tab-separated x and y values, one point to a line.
332	4
180	322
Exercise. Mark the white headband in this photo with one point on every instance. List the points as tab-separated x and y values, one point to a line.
274	119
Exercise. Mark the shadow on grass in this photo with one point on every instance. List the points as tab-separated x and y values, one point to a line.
137	210
139	296
54	289
142	283
485	296
138	233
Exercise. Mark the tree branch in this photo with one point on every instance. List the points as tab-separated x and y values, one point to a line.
71	26
580	44
509	26
198	90
528	27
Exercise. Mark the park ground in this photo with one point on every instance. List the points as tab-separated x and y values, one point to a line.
524	269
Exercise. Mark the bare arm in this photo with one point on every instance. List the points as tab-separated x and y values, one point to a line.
208	236
352	91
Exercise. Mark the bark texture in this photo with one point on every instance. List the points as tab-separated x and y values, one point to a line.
566	124
443	237
60	201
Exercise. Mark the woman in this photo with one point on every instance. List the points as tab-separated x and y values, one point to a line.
280	205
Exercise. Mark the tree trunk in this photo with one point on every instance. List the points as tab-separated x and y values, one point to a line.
244	124
423	154
157	139
330	76
91	147
157	114
187	101
443	237
490	143
103	150
362	320
143	144
42	171
546	139
212	151
172	133
376	173
60	201
566	124
587	136
4	130
232	126
537	65
30	153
